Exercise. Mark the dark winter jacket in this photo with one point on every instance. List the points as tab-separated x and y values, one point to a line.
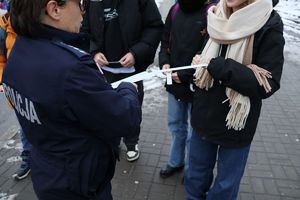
209	113
141	28
69	113
184	35
275	2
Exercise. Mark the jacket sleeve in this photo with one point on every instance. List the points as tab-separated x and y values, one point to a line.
186	76
145	48
85	28
164	54
269	56
92	12
98	107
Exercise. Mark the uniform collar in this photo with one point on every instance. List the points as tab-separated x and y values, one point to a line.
49	32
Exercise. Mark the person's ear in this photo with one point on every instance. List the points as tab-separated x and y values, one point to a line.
53	10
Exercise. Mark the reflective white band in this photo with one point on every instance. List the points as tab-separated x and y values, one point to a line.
148	74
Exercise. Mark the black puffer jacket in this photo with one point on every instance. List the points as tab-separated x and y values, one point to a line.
184	35
209	113
141	28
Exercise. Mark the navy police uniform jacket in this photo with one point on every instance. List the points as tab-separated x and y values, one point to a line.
69	113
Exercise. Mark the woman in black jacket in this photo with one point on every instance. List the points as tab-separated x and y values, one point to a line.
245	56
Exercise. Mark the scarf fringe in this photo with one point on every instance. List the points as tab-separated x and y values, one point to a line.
239	104
262	76
239	110
203	79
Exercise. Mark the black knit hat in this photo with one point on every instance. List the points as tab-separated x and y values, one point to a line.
190	6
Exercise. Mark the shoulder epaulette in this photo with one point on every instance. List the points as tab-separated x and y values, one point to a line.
79	53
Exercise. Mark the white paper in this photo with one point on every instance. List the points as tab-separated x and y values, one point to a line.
169	78
119	70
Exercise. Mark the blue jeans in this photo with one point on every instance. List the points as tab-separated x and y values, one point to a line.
26	145
178	122
26	149
198	175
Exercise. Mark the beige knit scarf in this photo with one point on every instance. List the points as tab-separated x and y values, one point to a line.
237	31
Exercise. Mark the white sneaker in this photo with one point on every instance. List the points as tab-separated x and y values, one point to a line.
132	153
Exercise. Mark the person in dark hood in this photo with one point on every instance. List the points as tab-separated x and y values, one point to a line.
184	35
275	2
190	6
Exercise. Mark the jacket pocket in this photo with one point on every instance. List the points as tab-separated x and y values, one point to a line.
88	173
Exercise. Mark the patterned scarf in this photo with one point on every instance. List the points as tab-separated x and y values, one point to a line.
237	31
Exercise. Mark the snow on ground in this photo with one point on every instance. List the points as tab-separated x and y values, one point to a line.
4	196
154	82
154	92
289	11
14	159
11	144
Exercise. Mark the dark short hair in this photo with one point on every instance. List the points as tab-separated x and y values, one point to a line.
25	15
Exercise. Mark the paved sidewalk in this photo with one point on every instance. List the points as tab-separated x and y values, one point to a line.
272	172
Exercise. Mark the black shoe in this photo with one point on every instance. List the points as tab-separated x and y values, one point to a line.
169	171
22	172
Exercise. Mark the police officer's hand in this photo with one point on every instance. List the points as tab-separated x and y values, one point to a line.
100	59
1	88
127	60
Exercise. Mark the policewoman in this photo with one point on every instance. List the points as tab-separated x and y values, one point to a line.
61	99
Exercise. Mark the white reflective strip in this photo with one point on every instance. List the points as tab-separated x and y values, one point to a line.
146	75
